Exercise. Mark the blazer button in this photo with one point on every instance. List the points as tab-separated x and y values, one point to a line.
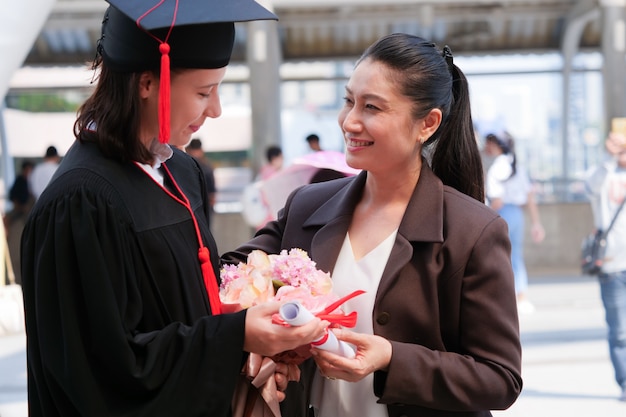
383	318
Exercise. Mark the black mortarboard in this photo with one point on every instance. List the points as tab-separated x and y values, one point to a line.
202	32
140	35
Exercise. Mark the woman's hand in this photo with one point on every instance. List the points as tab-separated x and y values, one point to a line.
373	353
496	203
537	232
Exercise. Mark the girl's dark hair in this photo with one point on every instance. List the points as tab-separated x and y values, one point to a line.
430	79
110	116
506	143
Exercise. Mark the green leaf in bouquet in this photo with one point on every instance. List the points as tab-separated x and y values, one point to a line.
277	284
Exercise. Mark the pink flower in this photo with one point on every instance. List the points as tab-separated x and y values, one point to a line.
313	303
286	276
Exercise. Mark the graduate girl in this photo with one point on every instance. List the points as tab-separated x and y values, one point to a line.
119	266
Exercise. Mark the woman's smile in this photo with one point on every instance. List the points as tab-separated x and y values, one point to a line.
358	143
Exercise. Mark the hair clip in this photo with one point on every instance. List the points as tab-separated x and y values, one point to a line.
447	54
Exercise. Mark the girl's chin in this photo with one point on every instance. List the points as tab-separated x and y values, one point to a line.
180	141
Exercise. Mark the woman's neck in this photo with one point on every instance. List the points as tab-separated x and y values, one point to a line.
391	188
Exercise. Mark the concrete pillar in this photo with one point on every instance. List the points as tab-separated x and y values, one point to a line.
613	52
583	13
264	58
6	162
20	23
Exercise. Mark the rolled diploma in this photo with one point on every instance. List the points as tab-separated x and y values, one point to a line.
297	315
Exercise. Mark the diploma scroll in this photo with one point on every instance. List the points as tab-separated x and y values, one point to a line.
295	314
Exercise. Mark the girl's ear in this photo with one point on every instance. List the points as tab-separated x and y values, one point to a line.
148	84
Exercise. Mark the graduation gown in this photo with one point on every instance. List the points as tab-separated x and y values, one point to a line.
117	315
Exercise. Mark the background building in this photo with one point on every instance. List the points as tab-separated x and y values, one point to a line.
551	72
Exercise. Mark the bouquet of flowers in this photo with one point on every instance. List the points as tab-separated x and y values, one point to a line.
290	276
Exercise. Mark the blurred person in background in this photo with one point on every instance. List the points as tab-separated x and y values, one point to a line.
274	162
606	186
195	150
22	200
314	142
43	171
509	192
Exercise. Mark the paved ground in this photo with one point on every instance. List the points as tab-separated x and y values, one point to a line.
566	365
567	371
13	376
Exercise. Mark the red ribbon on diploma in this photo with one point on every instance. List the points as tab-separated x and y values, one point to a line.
342	319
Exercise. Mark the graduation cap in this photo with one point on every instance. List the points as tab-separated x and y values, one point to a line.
141	35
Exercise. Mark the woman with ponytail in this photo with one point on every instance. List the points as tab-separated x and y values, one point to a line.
437	330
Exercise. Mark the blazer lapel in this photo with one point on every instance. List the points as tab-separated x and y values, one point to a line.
333	219
422	222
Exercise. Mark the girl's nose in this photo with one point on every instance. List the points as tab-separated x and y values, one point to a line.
214	107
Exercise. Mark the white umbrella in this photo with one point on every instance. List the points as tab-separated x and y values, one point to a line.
263	199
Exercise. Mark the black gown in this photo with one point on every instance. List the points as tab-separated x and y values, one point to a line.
117	315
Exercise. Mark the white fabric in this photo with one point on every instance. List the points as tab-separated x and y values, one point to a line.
41	175
161	153
607	184
154	173
342	398
500	184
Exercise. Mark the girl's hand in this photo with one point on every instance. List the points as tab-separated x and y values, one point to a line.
264	337
283	374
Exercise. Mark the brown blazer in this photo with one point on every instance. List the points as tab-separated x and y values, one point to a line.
446	300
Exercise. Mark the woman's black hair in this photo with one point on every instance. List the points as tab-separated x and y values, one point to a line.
110	116
430	79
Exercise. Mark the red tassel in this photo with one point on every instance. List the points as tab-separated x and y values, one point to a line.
164	94
210	281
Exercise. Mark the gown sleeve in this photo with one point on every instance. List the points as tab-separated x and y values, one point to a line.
105	336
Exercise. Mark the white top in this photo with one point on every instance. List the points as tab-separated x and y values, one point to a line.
40	177
341	398
500	184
